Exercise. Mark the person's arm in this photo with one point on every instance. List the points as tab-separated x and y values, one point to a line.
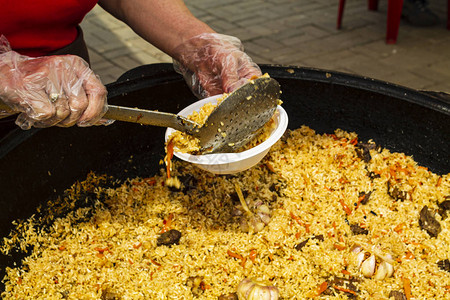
164	23
211	63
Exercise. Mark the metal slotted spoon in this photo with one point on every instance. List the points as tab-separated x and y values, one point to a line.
231	125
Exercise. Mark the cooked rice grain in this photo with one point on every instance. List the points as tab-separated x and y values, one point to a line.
311	182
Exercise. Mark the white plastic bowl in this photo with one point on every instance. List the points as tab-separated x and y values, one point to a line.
229	163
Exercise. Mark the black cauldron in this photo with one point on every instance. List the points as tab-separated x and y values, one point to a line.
39	164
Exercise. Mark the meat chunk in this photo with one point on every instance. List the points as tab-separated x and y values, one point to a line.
366	197
232	296
396	193
196	285
363	151
428	223
303	244
343	285
356	229
444	265
169	238
397	295
107	294
444	207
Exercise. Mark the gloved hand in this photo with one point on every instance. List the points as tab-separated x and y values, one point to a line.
213	63
51	90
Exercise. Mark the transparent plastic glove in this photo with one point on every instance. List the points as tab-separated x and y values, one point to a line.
213	63
51	90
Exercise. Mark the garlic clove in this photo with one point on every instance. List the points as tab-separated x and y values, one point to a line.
258	226
265	218
368	266
390	270
381	272
360	258
264	209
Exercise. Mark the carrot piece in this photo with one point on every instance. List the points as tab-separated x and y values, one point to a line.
323	286
204	286
238	256
334	225
235	255
167	223
347	209
169	157
345	272
399	227
392	172
244	260
439	181
252	255
407	288
339	246
360	199
270	167
138	183
409	255
342	289
150	181
101	250
155	262
300	222
333	136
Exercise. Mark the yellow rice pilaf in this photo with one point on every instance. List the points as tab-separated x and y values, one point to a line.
313	185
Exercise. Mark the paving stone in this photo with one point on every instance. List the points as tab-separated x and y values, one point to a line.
298	32
147	58
109	74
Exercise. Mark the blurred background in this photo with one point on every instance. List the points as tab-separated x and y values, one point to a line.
298	33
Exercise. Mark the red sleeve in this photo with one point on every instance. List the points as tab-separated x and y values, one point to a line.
36	28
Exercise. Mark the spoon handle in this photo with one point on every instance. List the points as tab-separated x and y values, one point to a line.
141	116
150	117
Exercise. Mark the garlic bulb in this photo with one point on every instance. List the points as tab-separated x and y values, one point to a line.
252	222
375	266
249	289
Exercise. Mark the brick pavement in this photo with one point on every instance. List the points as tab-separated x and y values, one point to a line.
295	32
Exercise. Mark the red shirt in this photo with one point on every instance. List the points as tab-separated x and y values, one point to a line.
38	27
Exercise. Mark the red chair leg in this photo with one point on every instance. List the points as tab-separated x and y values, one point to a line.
394	14
373	4
341	13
